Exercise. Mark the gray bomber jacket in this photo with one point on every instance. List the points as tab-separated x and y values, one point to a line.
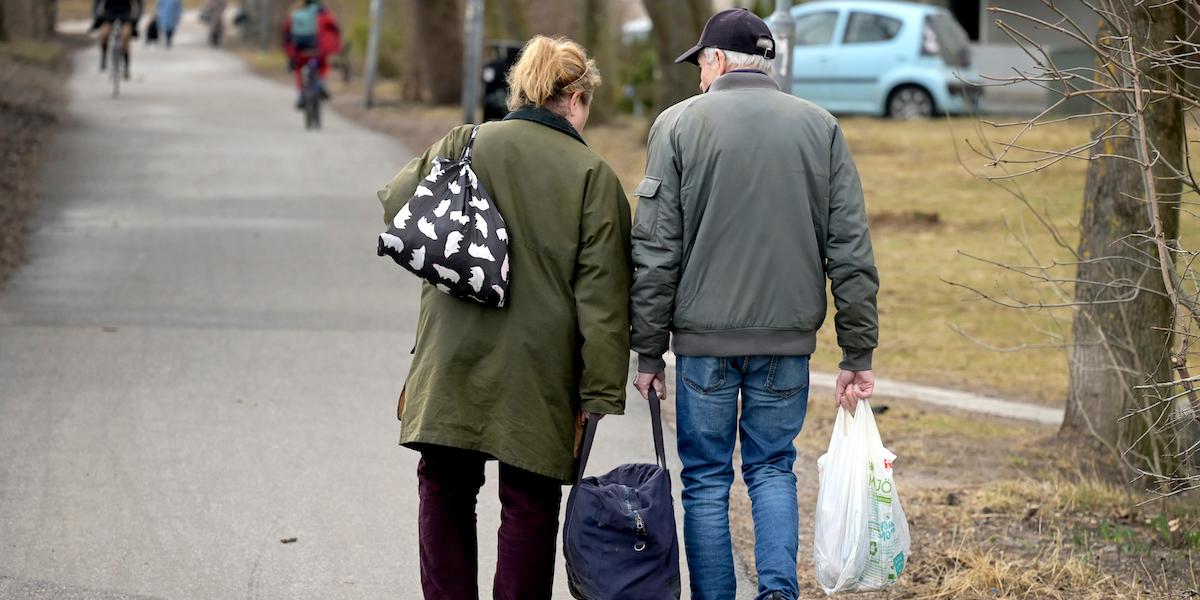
751	199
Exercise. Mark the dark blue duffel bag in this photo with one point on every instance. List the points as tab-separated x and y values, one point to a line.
619	535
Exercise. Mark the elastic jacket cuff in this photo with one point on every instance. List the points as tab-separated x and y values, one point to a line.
603	407
651	364
856	360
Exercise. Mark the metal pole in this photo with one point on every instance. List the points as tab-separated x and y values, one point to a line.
264	10
373	52
472	58
783	28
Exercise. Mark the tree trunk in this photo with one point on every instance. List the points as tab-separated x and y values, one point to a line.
274	12
677	25
27	19
437	36
508	17
596	35
1121	344
49	14
278	12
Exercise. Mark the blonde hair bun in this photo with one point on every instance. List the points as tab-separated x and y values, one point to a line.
549	68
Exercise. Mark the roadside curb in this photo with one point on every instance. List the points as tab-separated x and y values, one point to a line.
949	398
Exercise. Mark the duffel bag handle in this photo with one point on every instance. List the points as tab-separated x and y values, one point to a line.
589	436
660	451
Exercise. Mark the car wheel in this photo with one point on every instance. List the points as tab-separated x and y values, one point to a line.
910	102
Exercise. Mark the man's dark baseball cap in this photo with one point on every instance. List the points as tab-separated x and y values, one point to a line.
736	29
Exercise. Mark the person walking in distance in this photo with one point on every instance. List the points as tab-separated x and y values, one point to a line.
751	201
168	13
516	384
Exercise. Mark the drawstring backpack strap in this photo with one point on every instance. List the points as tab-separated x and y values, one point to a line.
466	155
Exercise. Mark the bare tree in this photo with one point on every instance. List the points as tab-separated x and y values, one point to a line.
596	34
677	25
1134	290
49	10
28	19
437	48
509	17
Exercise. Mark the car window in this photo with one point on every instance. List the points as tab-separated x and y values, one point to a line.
815	29
865	28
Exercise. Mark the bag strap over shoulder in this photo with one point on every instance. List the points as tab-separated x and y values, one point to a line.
466	155
589	437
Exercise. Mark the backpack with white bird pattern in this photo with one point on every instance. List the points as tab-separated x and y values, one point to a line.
451	234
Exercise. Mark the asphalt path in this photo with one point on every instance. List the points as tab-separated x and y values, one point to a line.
201	358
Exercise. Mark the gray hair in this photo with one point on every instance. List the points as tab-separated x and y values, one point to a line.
739	60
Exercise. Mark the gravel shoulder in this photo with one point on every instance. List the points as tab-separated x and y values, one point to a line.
32	106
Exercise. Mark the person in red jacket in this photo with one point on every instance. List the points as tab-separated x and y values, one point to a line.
310	30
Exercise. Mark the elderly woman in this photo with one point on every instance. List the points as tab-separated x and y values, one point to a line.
514	384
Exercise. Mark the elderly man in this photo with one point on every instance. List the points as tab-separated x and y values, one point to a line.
751	199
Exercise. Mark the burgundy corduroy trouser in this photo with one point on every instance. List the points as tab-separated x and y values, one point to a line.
449	480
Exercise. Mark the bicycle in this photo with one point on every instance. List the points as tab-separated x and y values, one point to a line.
116	56
310	93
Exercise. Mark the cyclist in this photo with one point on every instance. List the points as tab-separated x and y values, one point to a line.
105	13
310	30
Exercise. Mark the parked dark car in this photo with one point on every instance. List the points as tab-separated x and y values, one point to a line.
501	56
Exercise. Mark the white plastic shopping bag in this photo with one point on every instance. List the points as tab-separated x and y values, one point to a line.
861	535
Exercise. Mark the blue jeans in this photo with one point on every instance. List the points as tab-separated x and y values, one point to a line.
774	392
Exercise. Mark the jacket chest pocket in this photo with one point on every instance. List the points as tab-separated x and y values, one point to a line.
647	210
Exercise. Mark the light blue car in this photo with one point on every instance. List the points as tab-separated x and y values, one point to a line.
882	58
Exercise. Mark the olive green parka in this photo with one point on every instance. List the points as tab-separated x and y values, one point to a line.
511	382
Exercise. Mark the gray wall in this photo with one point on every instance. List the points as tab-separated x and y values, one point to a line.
1076	10
989	33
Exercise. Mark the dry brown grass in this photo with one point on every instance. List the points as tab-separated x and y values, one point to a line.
1001	509
969	571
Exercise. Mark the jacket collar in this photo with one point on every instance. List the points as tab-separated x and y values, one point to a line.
547	118
745	79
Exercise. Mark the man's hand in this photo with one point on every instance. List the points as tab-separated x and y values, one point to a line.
658	380
853	386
